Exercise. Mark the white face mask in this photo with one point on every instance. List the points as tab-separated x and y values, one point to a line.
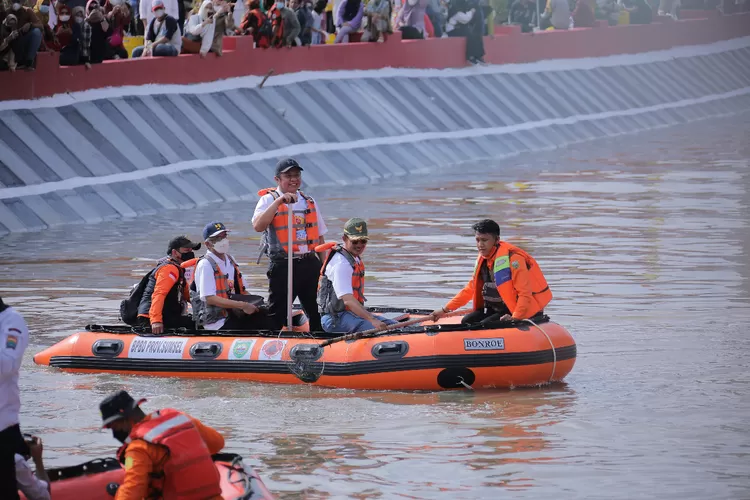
222	246
44	9
116	2
279	5
65	19
16	6
159	12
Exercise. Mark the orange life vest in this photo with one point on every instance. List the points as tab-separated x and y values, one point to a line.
204	313
276	236
328	303
189	472
503	266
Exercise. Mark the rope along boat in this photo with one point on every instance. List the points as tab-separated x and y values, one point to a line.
430	356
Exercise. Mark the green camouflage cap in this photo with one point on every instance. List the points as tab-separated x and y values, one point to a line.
356	228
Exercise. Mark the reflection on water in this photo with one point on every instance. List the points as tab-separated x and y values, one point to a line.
644	241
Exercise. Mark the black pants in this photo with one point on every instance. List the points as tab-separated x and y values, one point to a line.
239	321
481	316
305	273
178	322
11	442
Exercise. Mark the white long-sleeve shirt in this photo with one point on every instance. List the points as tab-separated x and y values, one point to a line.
14	338
30	485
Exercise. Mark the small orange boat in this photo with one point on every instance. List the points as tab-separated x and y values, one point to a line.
431	356
99	479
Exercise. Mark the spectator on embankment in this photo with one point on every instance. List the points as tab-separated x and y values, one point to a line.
465	21
523	13
199	31
410	19
348	19
583	14
163	37
558	13
27	43
377	13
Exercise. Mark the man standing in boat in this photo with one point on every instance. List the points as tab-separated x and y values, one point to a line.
271	219
166	293
166	454
507	283
341	291
218	288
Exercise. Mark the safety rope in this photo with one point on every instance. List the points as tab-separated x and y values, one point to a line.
554	351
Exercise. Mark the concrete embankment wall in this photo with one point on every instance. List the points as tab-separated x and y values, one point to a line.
111	153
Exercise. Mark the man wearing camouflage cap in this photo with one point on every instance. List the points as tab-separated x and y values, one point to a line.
341	299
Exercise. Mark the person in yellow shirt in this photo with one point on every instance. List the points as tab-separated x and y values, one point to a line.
166	454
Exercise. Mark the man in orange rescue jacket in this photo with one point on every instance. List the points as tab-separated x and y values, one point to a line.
271	219
166	292
507	282
166	454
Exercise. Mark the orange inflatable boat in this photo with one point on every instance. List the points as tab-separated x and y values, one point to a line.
99	479
429	356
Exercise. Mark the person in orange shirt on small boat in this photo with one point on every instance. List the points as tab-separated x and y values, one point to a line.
165	454
508	284
166	294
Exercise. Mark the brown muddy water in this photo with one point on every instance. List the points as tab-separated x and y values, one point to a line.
644	240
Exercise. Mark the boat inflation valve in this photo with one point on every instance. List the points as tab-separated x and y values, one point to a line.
452	378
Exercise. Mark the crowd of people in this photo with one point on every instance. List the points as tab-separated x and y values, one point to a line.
85	32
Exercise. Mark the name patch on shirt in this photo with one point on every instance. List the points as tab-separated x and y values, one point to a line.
496	344
12	341
146	348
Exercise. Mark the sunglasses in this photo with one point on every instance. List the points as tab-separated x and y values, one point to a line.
360	242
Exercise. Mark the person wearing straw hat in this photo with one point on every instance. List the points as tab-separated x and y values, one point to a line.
165	454
341	298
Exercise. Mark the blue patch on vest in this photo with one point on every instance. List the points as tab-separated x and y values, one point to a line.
502	276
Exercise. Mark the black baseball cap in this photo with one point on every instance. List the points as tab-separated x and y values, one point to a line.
182	242
286	164
116	406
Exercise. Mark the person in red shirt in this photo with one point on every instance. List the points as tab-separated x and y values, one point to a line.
166	294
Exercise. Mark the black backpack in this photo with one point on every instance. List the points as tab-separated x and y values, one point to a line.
129	306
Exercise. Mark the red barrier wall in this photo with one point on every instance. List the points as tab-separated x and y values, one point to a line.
507	46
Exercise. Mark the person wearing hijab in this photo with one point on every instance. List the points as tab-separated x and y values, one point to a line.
8	34
100	31
348	19
118	14
42	10
199	30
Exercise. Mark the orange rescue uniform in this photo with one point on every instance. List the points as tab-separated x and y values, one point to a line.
144	461
166	278
518	278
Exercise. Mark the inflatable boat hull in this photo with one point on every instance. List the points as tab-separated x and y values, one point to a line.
429	359
98	480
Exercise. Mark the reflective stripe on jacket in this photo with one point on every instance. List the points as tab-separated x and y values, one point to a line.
519	280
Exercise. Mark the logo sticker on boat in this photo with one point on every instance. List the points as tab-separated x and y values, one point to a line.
497	344
146	348
241	349
272	349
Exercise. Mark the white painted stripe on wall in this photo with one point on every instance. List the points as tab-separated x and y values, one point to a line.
300	149
307	76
